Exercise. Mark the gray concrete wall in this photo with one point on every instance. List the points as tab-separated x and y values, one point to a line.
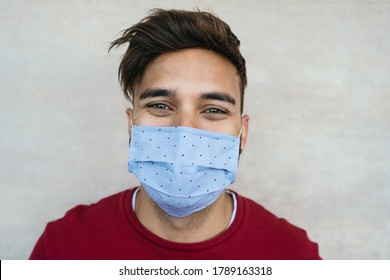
318	98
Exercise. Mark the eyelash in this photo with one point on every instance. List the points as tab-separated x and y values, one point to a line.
219	111
208	111
157	105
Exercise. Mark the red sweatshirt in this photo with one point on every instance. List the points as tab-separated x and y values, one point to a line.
109	229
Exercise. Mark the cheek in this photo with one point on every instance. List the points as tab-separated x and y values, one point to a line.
149	120
230	127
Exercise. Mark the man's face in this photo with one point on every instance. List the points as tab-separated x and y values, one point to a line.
193	87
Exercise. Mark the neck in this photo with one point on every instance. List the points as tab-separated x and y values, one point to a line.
197	227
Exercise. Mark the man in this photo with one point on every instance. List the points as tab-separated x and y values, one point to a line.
185	77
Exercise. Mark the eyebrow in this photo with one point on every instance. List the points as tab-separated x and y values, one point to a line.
157	92
220	96
163	92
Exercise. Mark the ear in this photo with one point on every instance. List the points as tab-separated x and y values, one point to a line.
244	133
129	113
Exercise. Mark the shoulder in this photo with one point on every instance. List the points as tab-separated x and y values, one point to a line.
100	212
276	234
83	228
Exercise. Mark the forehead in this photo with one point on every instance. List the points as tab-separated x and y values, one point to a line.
190	71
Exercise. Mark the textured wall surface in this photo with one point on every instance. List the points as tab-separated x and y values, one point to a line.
318	98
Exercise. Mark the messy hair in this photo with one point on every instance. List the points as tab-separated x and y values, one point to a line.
165	31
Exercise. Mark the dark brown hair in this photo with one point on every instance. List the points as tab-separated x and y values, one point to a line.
165	31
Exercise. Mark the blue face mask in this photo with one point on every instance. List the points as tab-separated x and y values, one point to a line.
182	169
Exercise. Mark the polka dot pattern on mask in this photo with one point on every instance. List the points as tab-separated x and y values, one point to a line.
182	169
184	145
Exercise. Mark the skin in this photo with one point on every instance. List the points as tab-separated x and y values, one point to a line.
200	89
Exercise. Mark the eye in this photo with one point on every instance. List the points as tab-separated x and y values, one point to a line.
215	111
158	106
159	109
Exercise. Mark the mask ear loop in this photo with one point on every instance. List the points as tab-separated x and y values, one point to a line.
131	123
239	136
